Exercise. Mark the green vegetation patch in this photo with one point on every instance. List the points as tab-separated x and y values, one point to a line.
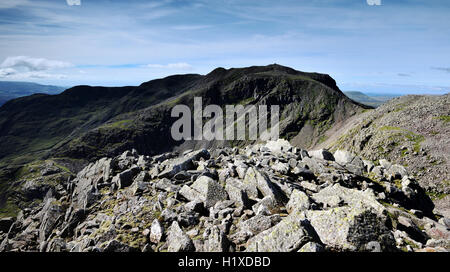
443	118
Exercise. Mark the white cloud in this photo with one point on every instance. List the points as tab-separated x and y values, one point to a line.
374	2
7	72
33	64
22	67
178	65
73	2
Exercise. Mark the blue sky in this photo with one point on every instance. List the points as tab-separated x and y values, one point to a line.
400	46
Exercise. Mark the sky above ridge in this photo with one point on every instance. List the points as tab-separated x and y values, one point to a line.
383	46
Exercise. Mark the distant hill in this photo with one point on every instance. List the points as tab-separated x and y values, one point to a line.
374	100
14	89
86	123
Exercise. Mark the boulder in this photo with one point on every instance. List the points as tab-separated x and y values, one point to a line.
278	146
210	190
396	172
125	178
351	228
156	232
352	197
298	201
177	240
322	154
236	192
259	223
217	240
174	166
251	183
116	246
289	235
51	216
350	161
268	188
385	164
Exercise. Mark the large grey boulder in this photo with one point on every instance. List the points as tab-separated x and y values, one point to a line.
51	215
298	201
217	240
125	178
259	223
350	228
336	195
350	161
251	183
268	188
210	191
177	240
312	247
321	154
186	162
396	172
236	191
287	236
278	146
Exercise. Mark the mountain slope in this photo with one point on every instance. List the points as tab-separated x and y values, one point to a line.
370	100
14	89
412	131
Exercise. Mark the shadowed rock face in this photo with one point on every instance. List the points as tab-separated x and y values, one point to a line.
330	209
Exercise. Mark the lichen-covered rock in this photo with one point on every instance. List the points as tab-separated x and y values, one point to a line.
210	190
177	240
312	247
298	201
352	197
217	240
236	192
350	228
289	235
259	223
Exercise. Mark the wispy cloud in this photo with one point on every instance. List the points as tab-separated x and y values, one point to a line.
191	27
403	75
374	2
73	2
178	66
444	69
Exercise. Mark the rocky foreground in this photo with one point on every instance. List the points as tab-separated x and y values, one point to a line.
271	197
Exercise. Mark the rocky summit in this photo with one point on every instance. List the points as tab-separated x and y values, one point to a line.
262	197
